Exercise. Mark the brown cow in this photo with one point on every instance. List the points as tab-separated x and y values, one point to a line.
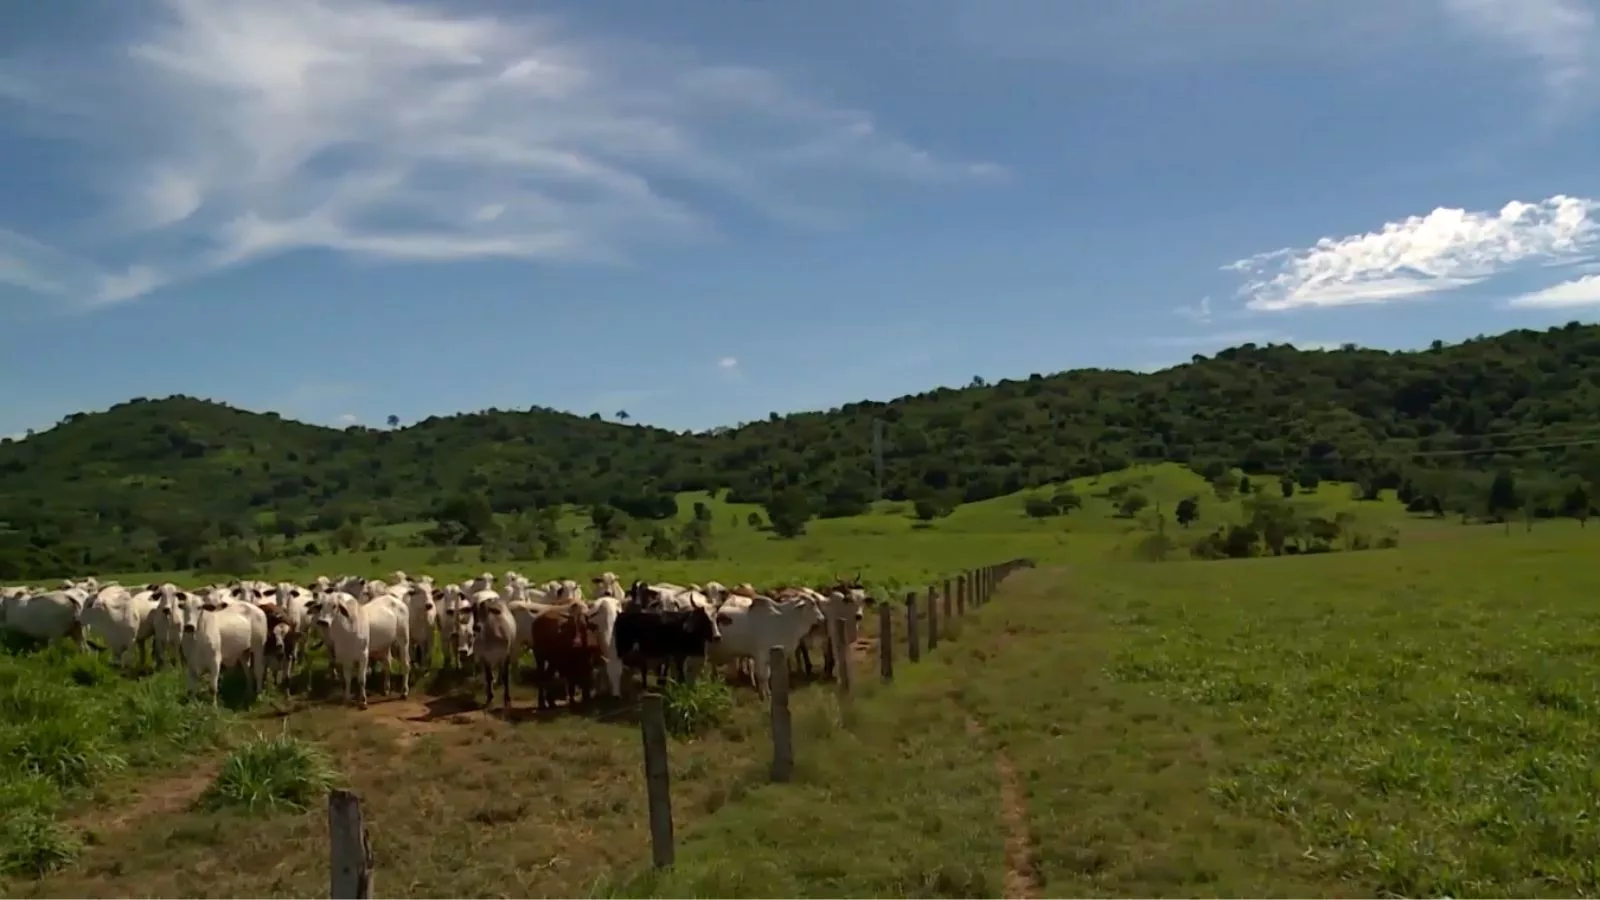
564	648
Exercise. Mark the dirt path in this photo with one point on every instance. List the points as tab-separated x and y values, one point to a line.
1022	880
156	797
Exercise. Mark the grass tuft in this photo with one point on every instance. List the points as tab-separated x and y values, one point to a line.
694	708
268	774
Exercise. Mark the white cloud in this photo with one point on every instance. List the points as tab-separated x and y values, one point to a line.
728	363
238	130
348	418
1200	312
1445	249
1583	291
1560	36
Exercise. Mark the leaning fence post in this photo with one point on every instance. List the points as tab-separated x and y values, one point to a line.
841	655
657	779
349	848
913	649
886	642
948	596
782	731
933	618
961	595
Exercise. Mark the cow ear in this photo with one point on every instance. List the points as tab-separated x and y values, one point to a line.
153	588
345	611
724	619
208	606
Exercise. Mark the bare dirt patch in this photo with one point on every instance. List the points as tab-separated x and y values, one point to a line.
1022	879
157	797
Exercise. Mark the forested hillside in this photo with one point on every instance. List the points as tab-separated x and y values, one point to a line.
121	488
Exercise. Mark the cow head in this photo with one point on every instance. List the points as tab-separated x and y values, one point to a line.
701	623
643	595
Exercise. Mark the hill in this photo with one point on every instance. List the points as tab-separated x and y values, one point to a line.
150	483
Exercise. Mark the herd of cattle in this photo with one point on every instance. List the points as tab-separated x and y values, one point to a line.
267	629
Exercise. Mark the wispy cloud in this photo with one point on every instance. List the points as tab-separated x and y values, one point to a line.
1445	249
348	418
1200	312
728	363
1583	291
1561	37
238	130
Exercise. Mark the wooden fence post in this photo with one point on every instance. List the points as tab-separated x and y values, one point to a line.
948	597
657	780
913	648
782	727
961	595
973	595
886	642
933	618
841	656
349	848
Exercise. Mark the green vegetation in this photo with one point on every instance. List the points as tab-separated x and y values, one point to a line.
182	484
1414	723
693	708
267	774
69	724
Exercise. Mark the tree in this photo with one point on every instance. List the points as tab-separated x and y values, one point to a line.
622	415
1576	504
1066	500
1131	503
1286	486
1037	507
1188	511
472	513
394	421
1503	499
1244	485
1308	480
788	511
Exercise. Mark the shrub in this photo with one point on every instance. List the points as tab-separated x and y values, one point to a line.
272	773
695	707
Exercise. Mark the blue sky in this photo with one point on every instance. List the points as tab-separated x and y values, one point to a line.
700	212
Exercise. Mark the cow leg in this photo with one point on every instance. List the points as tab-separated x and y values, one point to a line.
505	684
827	659
488	685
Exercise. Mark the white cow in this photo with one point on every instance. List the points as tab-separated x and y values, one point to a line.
606	584
219	632
47	616
455	625
122	619
603	622
424	617
357	633
751	632
495	643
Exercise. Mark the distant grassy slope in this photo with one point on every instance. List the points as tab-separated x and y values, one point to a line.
888	546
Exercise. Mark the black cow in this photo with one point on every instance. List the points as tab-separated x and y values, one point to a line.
644	636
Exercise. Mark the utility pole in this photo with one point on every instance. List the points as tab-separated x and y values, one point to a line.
877	455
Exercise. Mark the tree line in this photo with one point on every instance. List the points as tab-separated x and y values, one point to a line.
157	484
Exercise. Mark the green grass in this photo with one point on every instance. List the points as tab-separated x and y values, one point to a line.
69	725
1410	721
270	774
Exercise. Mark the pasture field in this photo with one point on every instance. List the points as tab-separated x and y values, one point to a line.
1407	721
1412	722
